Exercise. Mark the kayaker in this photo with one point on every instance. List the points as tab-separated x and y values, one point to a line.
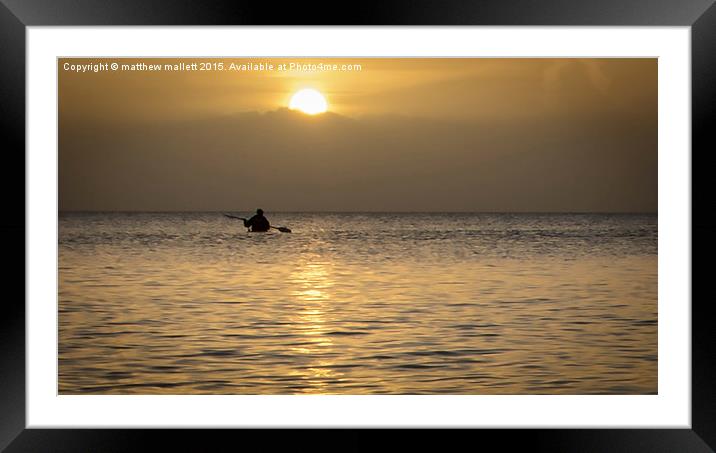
258	222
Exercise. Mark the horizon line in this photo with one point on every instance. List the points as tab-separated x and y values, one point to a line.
123	211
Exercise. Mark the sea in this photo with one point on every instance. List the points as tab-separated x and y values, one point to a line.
358	303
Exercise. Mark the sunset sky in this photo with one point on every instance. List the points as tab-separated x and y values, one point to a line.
576	135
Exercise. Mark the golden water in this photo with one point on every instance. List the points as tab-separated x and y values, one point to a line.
358	304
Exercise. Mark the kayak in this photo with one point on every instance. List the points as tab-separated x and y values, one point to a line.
281	229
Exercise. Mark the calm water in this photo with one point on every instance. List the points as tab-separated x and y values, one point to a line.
186	303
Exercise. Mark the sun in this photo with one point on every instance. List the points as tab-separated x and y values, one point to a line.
308	101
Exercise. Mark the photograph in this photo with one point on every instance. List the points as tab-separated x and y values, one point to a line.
357	226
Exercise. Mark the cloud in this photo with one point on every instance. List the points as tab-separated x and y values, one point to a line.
284	160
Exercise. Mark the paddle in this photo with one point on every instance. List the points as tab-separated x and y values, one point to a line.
281	229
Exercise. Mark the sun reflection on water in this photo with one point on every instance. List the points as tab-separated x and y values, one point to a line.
312	294
312	284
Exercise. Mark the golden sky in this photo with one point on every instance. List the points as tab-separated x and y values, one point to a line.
400	134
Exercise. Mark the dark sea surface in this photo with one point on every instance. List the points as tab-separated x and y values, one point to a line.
190	303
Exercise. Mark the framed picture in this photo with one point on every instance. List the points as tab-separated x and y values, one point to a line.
480	222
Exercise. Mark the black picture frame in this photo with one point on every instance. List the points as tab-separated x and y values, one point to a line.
16	15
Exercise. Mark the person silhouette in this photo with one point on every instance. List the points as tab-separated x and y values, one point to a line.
258	222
